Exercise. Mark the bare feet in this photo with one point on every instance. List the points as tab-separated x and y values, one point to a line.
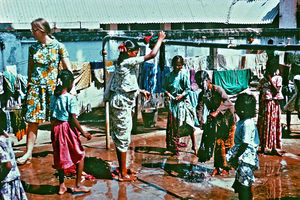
24	160
127	178
224	173
62	189
81	189
215	172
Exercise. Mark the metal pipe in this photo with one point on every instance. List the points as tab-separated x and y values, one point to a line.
107	128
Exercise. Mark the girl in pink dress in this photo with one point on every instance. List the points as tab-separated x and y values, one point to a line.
65	128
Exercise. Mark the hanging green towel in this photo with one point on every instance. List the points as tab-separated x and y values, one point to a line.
232	81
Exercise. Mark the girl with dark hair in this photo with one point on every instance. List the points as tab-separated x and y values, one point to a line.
65	128
43	63
243	156
181	115
123	91
218	127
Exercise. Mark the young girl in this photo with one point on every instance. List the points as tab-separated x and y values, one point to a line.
243	156
181	113
10	183
65	128
124	89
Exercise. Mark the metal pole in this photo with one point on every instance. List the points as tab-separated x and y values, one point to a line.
107	128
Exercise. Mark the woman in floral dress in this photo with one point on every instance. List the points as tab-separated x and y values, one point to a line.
44	59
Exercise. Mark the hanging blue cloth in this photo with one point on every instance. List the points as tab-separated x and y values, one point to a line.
152	77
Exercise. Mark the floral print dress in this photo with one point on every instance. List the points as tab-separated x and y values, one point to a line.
46	59
247	163
11	187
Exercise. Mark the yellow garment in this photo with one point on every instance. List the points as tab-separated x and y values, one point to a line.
82	74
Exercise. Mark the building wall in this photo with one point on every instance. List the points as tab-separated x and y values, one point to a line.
287	14
16	53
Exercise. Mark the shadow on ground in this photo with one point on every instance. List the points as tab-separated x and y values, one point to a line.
40	189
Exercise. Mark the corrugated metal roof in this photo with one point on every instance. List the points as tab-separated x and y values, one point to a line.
260	12
91	13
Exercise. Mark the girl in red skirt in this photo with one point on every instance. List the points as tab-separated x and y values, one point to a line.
65	128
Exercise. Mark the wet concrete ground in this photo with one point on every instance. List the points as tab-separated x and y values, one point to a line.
160	176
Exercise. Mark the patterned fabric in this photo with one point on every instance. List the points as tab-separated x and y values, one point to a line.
267	90
62	106
7	155
247	163
125	75
124	89
13	190
121	105
67	148
82	75
180	112
11	186
268	123
46	60
246	132
172	136
244	174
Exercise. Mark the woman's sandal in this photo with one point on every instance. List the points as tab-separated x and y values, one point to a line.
81	189
127	178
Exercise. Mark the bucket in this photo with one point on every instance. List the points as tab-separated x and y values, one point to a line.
149	116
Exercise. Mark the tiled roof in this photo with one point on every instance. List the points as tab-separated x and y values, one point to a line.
92	13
